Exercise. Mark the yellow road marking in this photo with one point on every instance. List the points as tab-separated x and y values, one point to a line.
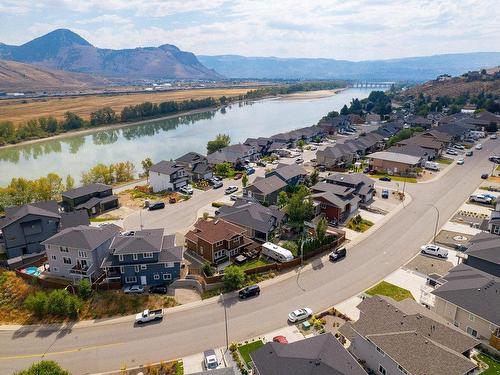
83	348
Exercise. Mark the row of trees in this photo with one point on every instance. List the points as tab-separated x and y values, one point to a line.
423	105
109	174
292	88
220	141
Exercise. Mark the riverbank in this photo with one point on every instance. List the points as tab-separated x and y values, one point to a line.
295	96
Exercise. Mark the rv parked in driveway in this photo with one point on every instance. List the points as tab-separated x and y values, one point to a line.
276	252
431	165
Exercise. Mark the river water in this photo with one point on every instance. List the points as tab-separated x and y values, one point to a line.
166	139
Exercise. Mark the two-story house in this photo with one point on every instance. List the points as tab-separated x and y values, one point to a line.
363	186
337	156
291	174
196	165
236	154
265	190
95	198
483	253
77	253
337	203
146	257
217	239
167	176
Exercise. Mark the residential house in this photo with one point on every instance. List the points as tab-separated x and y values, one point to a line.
494	220
259	221
418	121
77	253
94	198
389	129
393	163
337	203
24	227
167	176
445	138
146	257
217	240
468	108
319	355
265	190
405	338
337	156
373	118
457	131
483	253
334	124
489	117
363	186
287	138
196	165
291	174
425	142
236	154
469	299
414	150
260	144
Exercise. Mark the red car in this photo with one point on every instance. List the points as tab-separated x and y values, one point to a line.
238	176
280	339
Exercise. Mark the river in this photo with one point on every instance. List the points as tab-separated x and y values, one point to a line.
166	139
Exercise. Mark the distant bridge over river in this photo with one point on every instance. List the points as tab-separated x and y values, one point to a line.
369	84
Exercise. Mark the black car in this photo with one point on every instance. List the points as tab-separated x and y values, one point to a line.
158	289
156	206
485	176
385	178
249	291
338	254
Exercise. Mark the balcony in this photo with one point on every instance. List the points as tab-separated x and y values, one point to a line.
79	269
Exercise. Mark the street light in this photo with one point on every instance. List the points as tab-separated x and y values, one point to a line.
225	321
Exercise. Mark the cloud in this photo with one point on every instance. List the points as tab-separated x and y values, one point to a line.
106	18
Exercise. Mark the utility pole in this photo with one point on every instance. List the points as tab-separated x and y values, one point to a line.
225	321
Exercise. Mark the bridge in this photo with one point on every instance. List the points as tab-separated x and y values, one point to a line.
368	84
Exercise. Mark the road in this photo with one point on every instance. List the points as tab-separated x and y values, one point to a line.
103	348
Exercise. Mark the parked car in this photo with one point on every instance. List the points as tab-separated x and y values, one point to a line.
434	250
366	170
186	190
237	176
231	189
451	151
149	316
480	198
300	314
469	153
262	163
158	289
133	289
233	197
156	206
460	161
313	148
250	171
275	162
249	291
385	193
485	176
460	247
479	146
280	339
385	178
338	254
494	159
299	161
459	147
210	360
216	184
493	136
491	196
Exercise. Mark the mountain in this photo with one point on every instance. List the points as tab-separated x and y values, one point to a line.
405	69
63	49
16	76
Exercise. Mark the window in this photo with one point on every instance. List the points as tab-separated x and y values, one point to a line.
54	257
456	324
402	370
169	265
120	257
382	370
66	260
143	266
201	250
471	331
167	276
63	249
122	269
84	264
471	317
82	254
135	257
380	351
219	243
219	254
136	268
55	269
156	276
130	279
147	255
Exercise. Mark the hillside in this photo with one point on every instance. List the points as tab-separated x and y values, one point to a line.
65	50
15	76
405	69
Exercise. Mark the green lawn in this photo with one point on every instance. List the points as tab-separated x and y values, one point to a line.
493	366
390	290
410	180
361	225
246	349
252	264
444	161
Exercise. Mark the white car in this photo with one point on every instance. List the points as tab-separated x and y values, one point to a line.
434	250
460	161
186	190
300	314
493	136
480	198
231	189
299	161
459	147
134	289
210	360
479	146
451	151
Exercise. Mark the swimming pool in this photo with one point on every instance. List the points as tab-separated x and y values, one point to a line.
32	271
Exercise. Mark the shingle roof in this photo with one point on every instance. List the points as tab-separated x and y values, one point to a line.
45	208
485	246
395	157
425	142
473	290
324	187
74	219
85	190
191	158
289	171
144	241
318	355
413	150
350	178
166	167
335	152
83	237
214	230
267	185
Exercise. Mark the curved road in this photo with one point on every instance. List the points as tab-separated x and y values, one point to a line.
190	330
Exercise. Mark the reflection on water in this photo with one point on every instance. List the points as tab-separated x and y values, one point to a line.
165	139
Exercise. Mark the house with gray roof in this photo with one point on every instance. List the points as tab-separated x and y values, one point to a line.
265	189
469	299
291	174
77	253
414	150
94	198
196	165
167	176
337	156
259	221
337	203
404	337
483	253
418	121
235	154
317	355
393	163
146	257
363	186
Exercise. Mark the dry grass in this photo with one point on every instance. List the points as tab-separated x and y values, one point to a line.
22	110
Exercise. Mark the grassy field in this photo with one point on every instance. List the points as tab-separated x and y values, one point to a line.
444	161
493	366
246	349
389	290
22	110
253	264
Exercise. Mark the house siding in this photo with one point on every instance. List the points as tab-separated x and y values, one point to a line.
483	265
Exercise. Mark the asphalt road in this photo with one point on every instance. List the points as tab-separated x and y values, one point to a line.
104	348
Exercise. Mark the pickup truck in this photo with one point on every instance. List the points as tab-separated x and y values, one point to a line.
149	316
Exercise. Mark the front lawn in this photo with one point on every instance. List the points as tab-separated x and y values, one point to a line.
389	290
246	349
493	366
253	264
444	161
359	224
411	180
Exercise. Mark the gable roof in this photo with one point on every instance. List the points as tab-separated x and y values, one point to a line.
325	187
74	219
485	246
318	355
190	158
395	157
267	185
350	179
85	190
143	241
413	150
213	231
289	171
44	208
83	236
425	142
336	151
166	167
473	290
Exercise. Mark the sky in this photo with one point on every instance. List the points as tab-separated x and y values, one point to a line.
340	29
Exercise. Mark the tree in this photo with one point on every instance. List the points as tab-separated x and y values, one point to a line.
301	143
344	111
314	177
72	121
233	278
207	268
44	368
244	180
84	289
70	182
146	165
282	199
321	228
37	304
299	207
224	169
221	141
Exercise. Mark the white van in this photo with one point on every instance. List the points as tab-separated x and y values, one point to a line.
434	250
433	166
276	252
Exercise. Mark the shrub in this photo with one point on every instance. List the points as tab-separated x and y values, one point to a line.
208	270
37	304
233	278
44	368
84	289
217	204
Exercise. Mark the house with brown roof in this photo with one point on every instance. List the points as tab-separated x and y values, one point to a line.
404	337
373	118
425	142
217	239
393	162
